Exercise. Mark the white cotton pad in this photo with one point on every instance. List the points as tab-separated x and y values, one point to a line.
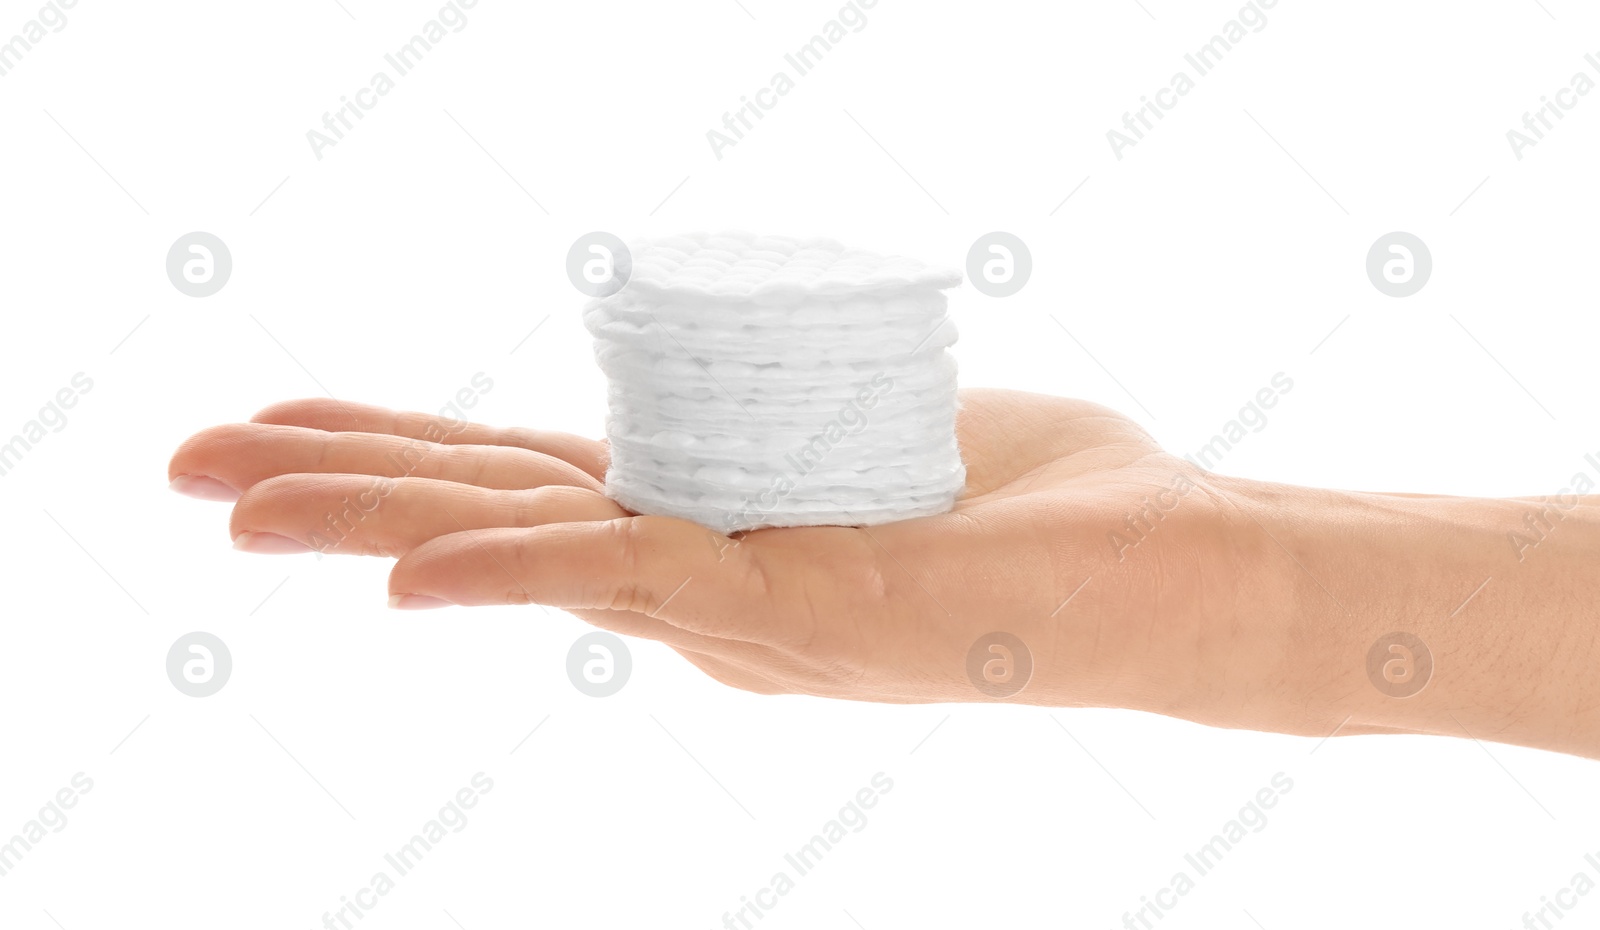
761	381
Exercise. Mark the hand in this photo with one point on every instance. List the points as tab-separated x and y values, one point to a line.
1132	578
478	515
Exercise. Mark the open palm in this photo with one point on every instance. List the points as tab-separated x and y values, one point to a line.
1043	545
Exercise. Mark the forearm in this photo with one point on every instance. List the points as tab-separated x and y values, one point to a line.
1504	596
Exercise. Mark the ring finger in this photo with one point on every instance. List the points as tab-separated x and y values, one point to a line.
368	515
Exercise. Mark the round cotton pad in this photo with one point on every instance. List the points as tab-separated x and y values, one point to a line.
767	381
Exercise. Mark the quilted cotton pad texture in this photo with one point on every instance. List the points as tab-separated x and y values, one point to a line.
763	381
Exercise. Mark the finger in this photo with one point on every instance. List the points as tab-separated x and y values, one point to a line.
696	579
241	454
368	515
326	413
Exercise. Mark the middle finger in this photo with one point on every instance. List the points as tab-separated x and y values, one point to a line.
241	454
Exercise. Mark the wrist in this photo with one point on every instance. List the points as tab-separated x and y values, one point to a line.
1452	616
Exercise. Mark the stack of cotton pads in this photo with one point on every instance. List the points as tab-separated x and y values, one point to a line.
763	381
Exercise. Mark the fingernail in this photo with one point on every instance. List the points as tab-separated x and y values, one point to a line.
268	544
417	602
204	487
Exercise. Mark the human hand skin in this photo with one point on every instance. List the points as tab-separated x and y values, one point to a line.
1225	601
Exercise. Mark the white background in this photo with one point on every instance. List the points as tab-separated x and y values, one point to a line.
1227	246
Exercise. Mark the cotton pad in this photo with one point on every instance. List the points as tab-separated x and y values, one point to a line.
760	381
